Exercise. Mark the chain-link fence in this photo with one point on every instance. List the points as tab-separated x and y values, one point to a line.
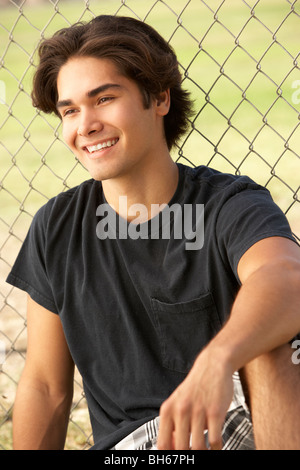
240	59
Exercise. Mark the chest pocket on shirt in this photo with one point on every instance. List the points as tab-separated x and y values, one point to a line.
184	329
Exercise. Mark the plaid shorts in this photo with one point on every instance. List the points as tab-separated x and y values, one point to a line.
237	431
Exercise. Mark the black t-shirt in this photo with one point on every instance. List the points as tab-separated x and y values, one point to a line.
137	310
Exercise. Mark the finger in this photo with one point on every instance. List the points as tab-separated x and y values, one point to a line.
215	427
165	432
182	433
198	433
165	436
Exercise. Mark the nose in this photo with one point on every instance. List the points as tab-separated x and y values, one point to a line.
89	123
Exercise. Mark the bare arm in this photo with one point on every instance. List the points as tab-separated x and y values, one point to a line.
264	316
45	390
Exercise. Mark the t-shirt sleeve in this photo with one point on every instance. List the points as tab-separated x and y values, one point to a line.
246	218
29	272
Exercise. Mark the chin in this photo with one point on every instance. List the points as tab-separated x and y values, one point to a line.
102	175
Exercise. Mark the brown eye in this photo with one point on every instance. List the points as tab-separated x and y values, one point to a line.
105	99
68	112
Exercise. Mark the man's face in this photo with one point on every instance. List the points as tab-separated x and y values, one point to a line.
105	123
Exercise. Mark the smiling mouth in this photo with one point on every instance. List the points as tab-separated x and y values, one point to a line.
101	146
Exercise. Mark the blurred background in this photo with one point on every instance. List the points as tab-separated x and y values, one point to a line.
240	59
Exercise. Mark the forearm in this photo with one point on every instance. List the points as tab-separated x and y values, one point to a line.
40	417
265	315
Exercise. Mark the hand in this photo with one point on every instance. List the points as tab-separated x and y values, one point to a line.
199	403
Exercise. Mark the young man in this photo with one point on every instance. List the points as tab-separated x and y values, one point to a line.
157	315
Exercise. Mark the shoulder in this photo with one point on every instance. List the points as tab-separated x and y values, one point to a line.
66	210
214	186
69	200
217	179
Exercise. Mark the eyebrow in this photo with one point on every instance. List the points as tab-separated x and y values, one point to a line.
90	94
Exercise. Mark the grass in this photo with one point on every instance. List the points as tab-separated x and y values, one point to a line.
238	63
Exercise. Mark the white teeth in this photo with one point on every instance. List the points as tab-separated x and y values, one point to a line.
108	143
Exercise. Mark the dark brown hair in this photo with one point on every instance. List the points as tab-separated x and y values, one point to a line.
138	51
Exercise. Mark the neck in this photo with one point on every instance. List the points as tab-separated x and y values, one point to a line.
149	188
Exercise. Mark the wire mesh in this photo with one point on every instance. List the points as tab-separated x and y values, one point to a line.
240	59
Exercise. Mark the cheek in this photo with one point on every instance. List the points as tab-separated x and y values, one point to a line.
126	116
69	135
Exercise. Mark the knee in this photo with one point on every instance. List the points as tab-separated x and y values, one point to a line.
279	360
269	371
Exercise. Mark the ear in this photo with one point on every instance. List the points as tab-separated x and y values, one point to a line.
162	103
